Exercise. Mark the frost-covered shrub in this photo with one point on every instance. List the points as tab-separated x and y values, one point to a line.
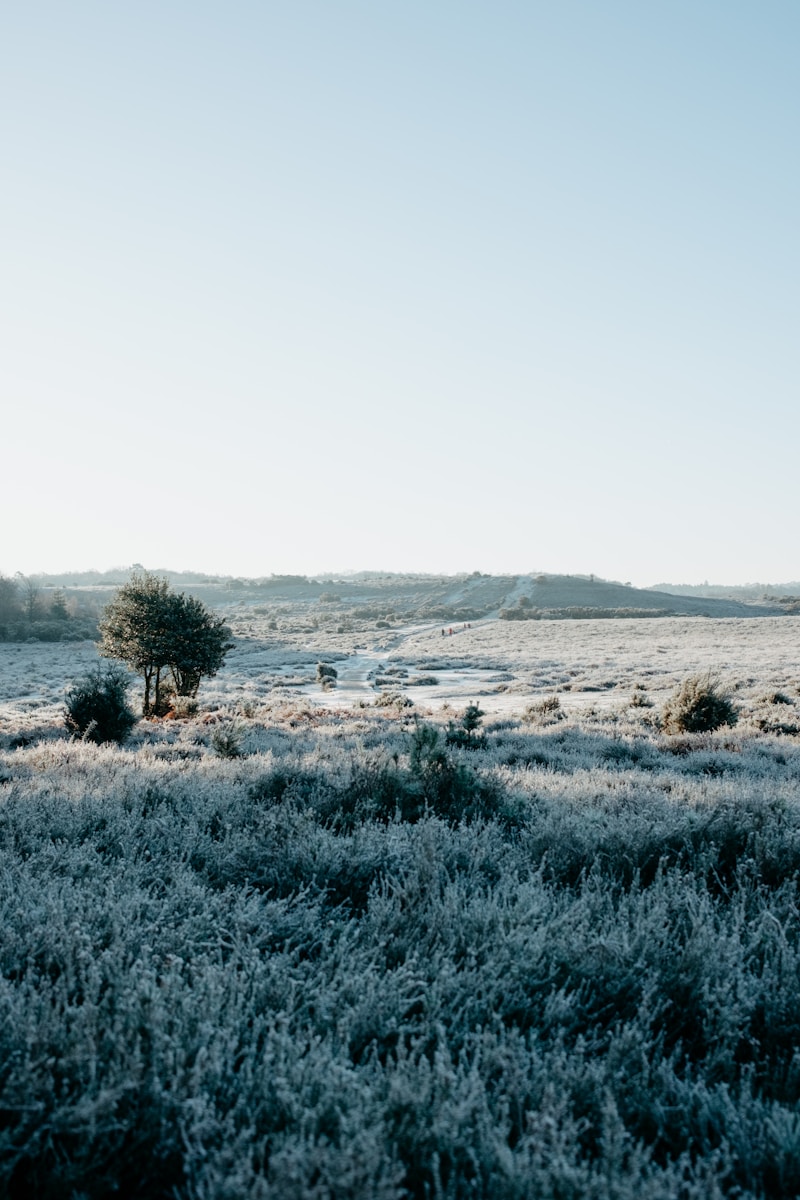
226	740
393	700
543	711
97	706
211	990
358	962
449	789
778	698
698	706
378	787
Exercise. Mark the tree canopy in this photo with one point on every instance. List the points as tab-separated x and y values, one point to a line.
169	638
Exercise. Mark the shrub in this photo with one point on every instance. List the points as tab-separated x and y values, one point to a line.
462	734
327	677
97	706
778	698
548	709
449	790
226	740
393	700
698	706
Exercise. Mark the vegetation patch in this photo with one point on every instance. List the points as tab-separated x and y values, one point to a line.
97	708
282	949
397	969
698	706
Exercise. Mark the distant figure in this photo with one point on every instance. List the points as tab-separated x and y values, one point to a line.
451	631
443	633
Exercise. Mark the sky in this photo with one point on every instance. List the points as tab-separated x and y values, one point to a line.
431	285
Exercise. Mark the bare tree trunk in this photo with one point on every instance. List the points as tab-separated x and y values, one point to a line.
31	593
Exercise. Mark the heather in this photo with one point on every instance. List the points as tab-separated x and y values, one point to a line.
355	955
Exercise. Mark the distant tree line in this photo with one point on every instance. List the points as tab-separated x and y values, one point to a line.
29	612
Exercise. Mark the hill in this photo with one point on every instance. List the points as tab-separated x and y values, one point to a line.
409	599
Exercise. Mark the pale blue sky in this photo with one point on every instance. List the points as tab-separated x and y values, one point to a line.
407	286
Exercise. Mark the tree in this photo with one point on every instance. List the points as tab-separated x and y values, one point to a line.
31	591
199	643
9	600
134	628
58	606
155	632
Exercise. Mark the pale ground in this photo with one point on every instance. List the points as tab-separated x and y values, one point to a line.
501	665
505	665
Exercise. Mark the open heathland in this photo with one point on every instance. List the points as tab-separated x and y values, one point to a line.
325	938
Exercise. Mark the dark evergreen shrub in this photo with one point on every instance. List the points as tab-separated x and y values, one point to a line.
97	706
464	733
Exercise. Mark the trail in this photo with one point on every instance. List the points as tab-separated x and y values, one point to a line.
355	674
496	688
353	681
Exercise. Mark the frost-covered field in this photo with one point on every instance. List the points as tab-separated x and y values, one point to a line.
503	665
357	961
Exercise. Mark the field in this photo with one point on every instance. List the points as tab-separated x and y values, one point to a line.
314	941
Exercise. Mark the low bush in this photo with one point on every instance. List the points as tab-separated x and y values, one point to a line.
698	706
548	709
97	706
465	733
327	677
362	962
226	740
215	989
393	700
778	698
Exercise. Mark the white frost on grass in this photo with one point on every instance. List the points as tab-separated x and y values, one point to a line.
589	663
503	666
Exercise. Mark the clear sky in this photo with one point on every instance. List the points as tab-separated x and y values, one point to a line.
430	285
